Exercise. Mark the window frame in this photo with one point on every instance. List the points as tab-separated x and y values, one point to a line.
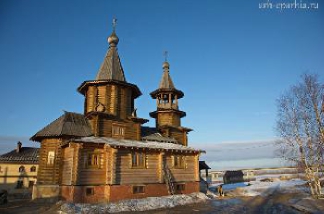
93	160
89	191
32	169
179	161
118	131
22	169
180	187
50	158
138	189
138	159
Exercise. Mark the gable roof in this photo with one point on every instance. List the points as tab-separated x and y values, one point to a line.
69	124
25	155
111	68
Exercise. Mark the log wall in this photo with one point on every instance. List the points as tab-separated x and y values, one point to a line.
67	168
117	100
126	174
115	167
103	128
168	118
188	173
90	175
49	174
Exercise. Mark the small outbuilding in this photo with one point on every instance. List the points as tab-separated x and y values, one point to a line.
233	176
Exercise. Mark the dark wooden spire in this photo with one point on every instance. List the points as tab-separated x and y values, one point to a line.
166	83
111	68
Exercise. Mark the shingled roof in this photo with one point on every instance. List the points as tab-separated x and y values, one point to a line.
25	155
69	124
111	68
166	83
152	134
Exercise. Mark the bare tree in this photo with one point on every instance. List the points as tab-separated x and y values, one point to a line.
300	127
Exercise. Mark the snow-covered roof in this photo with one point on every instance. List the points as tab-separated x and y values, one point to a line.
137	144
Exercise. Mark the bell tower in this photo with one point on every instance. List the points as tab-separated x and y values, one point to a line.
168	116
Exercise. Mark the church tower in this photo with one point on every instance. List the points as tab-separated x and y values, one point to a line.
168	116
109	99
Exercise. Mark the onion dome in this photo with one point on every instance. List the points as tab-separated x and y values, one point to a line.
113	39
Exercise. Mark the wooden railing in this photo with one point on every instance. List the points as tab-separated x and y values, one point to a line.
168	180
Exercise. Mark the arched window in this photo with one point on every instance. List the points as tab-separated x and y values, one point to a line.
33	169
21	169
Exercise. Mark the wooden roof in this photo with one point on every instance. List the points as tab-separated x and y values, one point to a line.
25	155
166	81
111	68
133	144
152	134
234	173
181	128
203	165
166	84
69	124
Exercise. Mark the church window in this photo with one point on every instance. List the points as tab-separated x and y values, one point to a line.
93	160
118	131
138	159
178	161
50	158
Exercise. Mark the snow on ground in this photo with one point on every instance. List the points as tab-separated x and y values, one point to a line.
150	203
264	185
265	188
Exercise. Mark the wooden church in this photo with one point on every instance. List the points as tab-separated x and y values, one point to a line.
106	154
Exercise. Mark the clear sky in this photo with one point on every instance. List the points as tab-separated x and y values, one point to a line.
230	58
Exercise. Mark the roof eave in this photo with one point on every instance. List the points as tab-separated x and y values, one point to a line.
82	88
166	90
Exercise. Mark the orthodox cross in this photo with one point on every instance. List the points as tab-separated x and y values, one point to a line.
114	23
165	54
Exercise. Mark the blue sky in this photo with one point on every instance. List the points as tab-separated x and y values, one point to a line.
230	58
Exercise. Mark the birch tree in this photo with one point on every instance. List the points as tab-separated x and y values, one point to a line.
300	127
